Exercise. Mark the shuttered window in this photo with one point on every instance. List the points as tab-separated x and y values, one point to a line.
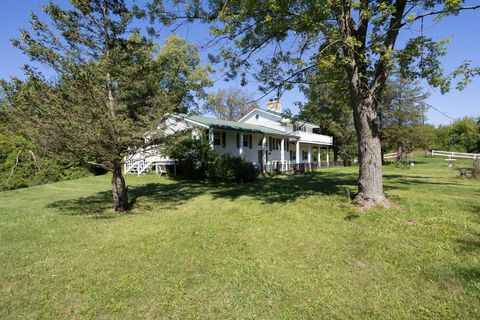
216	138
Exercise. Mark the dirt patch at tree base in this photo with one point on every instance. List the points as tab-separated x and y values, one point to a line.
364	204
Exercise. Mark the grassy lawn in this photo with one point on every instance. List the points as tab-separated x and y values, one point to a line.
284	247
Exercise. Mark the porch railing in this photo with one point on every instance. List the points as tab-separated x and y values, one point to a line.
314	138
292	166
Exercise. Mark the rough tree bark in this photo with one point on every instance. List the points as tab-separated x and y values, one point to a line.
370	182
119	189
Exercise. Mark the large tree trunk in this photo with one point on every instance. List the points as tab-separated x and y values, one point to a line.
119	189
370	182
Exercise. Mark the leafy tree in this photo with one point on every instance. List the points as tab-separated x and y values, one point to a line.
109	88
231	104
328	106
348	152
401	112
20	165
424	137
478	140
291	38
462	135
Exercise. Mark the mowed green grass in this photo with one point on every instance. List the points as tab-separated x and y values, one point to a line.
288	247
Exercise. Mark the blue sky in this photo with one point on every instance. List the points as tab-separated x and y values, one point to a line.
463	31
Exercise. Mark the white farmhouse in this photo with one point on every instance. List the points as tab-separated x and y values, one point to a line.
262	137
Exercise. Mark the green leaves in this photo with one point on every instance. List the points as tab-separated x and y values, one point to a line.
230	104
112	85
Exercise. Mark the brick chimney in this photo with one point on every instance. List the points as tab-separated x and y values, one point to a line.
274	105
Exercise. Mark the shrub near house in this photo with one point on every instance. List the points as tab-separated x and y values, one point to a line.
231	168
196	160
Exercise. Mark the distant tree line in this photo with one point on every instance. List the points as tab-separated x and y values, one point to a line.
403	125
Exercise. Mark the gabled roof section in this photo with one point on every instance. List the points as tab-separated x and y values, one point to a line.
233	125
279	115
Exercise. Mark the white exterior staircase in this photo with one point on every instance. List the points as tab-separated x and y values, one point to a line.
142	162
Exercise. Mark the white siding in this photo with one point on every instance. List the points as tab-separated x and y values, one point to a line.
266	120
249	154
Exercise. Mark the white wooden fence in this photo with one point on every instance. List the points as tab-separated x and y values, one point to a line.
454	155
390	155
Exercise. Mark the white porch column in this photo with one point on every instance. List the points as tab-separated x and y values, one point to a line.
319	156
297	152
328	157
264	154
282	154
240	149
210	137
309	157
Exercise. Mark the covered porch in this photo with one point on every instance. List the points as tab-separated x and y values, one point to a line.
270	152
298	156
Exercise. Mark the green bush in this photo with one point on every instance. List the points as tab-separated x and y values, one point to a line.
231	169
196	160
20	167
192	155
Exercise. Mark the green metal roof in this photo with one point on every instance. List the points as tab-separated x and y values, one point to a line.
238	126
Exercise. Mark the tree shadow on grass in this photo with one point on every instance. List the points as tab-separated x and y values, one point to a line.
469	245
169	195
283	189
277	189
162	195
406	180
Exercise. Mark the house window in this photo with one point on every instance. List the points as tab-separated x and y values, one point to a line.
274	143
245	140
216	138
224	139
293	155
